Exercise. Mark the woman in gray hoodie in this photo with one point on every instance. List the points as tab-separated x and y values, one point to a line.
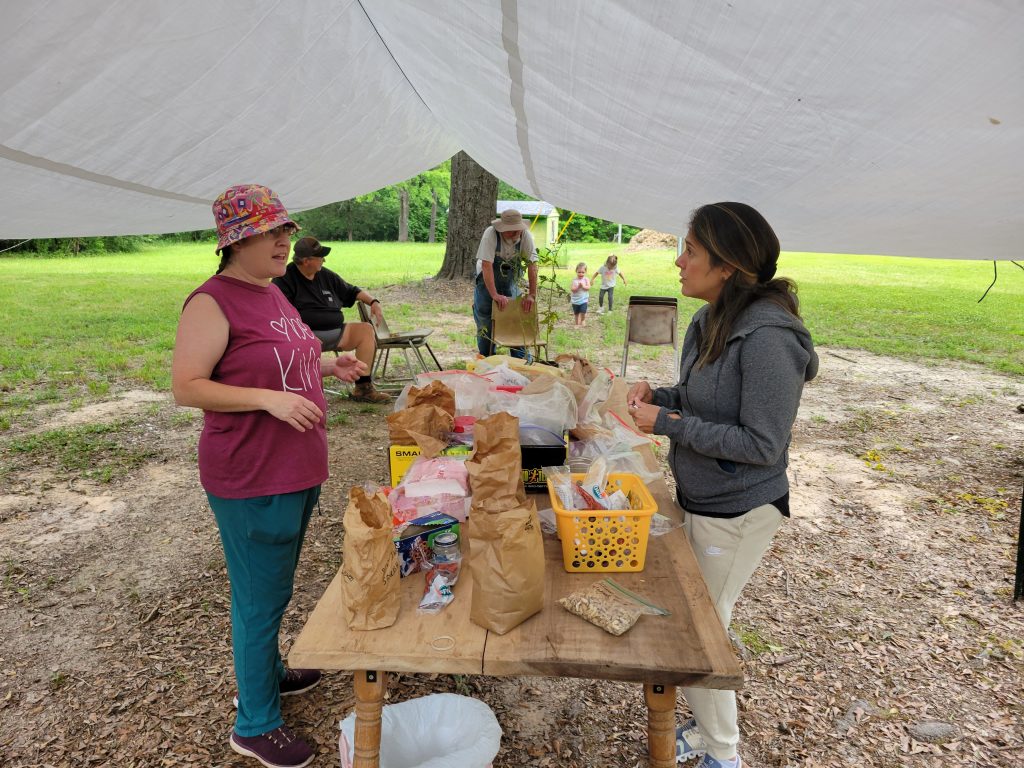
745	359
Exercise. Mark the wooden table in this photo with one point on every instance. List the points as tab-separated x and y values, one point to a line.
689	648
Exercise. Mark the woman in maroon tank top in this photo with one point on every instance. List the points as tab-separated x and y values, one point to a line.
244	356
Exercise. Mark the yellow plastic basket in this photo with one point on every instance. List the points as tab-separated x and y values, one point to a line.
599	541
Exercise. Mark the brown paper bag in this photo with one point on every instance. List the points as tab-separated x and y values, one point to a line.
582	370
424	425
505	544
497	435
435	393
369	568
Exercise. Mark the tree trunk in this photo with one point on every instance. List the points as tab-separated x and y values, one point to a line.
474	198
431	236
403	215
345	209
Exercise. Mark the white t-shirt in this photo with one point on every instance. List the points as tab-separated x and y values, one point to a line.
485	252
608	275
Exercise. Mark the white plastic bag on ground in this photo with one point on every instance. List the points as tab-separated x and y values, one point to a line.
438	731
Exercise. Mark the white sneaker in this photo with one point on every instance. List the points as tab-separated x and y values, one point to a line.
689	741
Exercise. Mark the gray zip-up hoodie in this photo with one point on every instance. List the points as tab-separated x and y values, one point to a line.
730	449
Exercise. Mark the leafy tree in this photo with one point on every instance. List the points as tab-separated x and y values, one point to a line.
57	247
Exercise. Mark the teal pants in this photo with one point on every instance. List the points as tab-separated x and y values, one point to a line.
262	538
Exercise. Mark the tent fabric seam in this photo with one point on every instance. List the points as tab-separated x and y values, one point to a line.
34	161
388	49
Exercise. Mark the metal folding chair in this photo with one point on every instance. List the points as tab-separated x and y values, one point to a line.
406	341
512	327
651	320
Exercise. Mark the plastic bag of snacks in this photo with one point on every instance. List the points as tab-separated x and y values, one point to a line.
601	607
610	606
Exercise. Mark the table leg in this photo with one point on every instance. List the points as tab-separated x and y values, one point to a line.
661	725
369	690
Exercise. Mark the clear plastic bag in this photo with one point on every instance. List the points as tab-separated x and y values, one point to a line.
592	489
440	580
503	376
610	606
471	391
561	481
629	461
554	409
623	433
662	524
597	393
602	608
532	434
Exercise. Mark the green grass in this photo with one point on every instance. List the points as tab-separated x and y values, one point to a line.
91	450
903	307
75	327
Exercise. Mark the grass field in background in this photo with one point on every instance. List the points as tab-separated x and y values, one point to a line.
74	326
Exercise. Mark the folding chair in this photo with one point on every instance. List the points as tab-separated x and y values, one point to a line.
511	327
406	341
651	320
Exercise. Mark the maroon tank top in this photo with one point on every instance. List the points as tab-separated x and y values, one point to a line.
251	453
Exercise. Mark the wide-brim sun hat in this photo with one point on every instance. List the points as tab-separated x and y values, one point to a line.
509	221
245	210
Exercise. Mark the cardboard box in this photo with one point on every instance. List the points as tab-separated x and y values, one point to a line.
401	458
420	534
534	457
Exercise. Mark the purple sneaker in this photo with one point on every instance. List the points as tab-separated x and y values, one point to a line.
279	748
299	681
295	681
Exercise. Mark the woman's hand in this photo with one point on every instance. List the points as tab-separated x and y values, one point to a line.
292	409
348	368
644	414
639	393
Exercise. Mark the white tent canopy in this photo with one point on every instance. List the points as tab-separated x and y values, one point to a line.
862	127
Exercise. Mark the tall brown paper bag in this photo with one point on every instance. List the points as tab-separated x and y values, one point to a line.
506	550
369	567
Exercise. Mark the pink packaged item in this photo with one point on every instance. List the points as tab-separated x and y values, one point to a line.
432	485
439	468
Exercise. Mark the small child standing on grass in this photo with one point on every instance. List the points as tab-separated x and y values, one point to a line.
580	295
608	272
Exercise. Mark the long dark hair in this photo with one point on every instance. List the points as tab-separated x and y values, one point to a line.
225	259
735	234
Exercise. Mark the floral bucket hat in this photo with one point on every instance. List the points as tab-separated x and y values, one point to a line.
246	210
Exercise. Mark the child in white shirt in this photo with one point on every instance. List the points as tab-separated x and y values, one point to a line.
608	271
580	295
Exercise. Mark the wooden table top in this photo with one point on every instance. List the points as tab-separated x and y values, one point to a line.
690	647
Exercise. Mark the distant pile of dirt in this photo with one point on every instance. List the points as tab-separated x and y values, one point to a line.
649	238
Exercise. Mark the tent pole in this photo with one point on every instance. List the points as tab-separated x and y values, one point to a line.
1018	585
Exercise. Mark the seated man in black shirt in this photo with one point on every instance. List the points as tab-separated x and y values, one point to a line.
319	295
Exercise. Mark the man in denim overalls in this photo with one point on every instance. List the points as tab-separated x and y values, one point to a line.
498	271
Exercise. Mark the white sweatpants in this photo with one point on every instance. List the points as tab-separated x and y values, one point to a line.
728	551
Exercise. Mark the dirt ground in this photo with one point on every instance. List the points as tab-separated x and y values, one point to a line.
884	604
